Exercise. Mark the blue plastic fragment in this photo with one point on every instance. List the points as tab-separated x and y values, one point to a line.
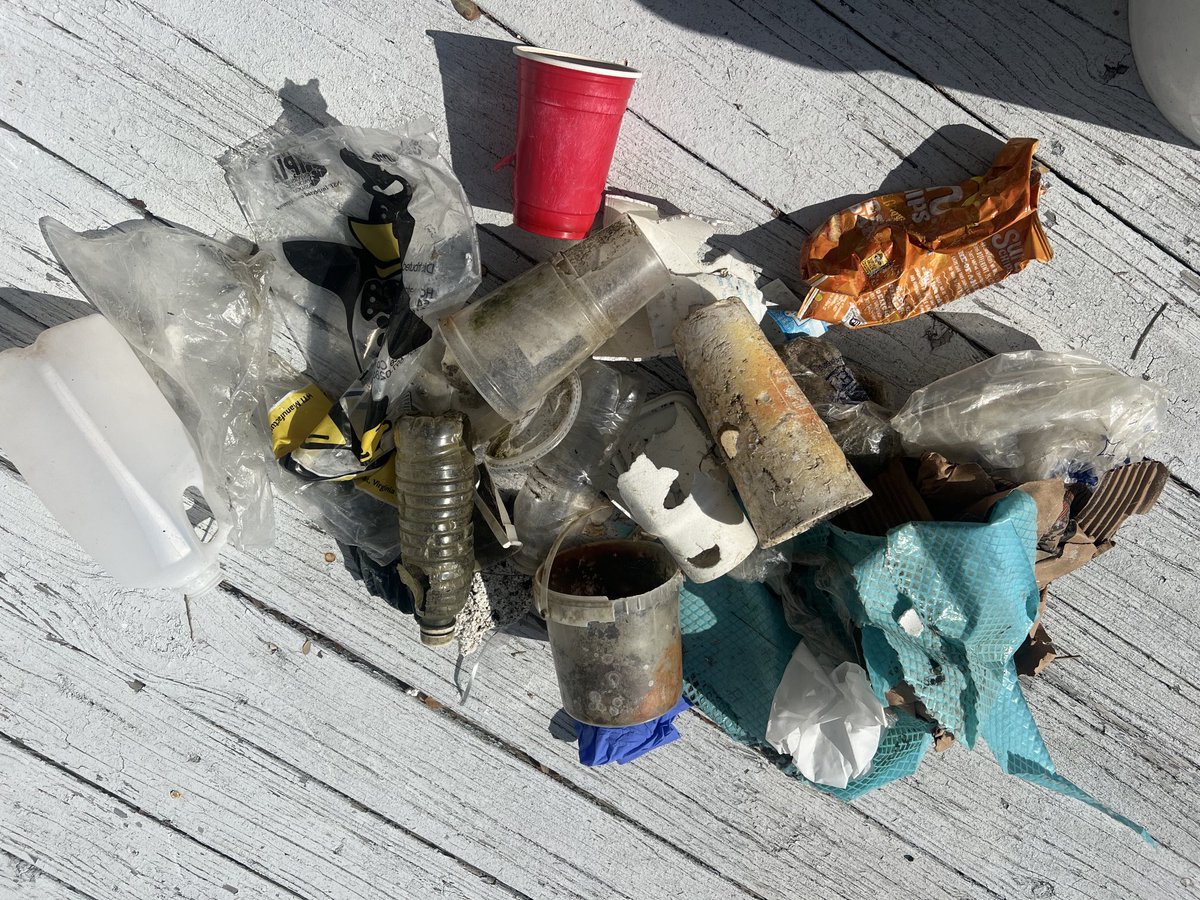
600	746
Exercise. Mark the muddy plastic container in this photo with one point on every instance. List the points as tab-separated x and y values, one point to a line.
612	610
522	339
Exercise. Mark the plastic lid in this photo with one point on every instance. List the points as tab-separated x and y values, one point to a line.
537	432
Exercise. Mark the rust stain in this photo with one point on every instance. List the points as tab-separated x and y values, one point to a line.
668	684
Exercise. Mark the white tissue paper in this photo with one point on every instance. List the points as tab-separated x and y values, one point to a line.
830	723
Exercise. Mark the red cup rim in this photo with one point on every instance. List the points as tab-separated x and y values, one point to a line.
578	63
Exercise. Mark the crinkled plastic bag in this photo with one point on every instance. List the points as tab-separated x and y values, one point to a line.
195	310
375	240
861	428
1035	414
360	512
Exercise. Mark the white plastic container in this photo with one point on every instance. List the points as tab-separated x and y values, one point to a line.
83	421
1165	35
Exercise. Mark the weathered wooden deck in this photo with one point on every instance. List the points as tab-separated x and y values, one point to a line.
289	750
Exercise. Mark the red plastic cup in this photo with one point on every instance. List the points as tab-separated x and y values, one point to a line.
568	118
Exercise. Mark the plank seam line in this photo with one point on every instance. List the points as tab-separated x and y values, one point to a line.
44	874
490	737
475	870
1092	25
896	834
775	211
38	145
786	217
773	759
1065	179
165	823
1104	629
283	101
515	249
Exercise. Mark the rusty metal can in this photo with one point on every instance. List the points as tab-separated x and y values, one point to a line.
789	471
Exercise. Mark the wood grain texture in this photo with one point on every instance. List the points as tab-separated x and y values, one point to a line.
135	104
1111	687
83	837
1062	71
710	794
19	878
98	718
308	717
1061	305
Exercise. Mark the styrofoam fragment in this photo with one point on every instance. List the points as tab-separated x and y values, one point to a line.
706	530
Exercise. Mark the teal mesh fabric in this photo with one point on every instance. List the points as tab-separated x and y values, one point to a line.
736	646
900	752
972	587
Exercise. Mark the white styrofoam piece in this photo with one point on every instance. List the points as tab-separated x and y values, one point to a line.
703	527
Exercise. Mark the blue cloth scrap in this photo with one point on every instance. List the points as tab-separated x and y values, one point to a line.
600	746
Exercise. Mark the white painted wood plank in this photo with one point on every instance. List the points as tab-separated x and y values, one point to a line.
22	879
1014	886
739	845
800	135
169	53
108	726
1110	759
85	838
317	714
1053	303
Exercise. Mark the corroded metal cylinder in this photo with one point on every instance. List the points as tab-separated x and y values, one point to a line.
435	490
789	471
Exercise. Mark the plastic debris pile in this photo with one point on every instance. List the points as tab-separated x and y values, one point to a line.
828	571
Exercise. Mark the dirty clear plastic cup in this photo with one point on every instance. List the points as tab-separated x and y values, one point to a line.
568	117
521	340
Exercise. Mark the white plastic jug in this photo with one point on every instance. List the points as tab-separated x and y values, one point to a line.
101	447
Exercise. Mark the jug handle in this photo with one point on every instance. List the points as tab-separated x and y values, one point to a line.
210	549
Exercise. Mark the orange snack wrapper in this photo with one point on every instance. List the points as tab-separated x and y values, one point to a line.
898	255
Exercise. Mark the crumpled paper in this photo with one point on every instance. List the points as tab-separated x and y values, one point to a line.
830	723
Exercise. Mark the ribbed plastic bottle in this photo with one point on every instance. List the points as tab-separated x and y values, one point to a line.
435	487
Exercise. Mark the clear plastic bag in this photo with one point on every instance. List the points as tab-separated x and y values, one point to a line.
195	311
861	428
1035	414
374	239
